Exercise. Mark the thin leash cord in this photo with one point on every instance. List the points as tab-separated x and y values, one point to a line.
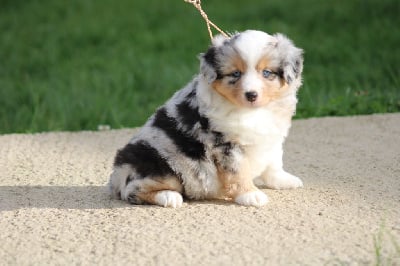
197	5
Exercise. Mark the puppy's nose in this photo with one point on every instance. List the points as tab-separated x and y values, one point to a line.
251	96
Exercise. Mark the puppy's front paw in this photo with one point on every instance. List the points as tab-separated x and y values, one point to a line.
168	198
253	198
283	180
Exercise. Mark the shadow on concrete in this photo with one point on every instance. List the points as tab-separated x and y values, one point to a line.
61	197
71	197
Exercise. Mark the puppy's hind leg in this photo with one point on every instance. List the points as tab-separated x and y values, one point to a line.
162	191
143	176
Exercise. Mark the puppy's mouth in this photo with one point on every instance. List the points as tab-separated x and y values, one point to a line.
253	105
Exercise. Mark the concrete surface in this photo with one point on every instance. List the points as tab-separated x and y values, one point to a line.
54	209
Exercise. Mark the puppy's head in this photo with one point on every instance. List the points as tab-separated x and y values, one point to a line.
252	68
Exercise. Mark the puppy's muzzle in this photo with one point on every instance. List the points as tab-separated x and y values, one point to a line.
251	96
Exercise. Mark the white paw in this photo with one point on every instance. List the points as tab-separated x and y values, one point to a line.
283	180
253	198
168	198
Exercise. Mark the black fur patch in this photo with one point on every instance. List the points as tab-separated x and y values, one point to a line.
128	180
224	146
296	68
145	159
211	58
185	143
284	70
280	73
218	138
190	116
227	148
223	156
192	93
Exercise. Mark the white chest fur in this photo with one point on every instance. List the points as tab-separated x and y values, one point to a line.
261	131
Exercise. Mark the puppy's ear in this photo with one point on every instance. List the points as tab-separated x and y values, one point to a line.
209	65
291	59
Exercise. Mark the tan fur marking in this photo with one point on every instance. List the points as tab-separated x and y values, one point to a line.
148	197
228	91
234	184
273	89
262	64
232	92
232	63
238	64
150	189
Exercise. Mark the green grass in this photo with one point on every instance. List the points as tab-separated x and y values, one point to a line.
386	247
72	65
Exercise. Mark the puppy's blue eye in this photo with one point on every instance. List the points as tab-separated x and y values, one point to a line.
268	74
236	74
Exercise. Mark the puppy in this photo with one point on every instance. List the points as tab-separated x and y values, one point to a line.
221	131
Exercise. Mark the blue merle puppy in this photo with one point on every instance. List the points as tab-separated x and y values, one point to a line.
220	132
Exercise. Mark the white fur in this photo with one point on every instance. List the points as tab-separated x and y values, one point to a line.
253	198
252	45
281	180
168	198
